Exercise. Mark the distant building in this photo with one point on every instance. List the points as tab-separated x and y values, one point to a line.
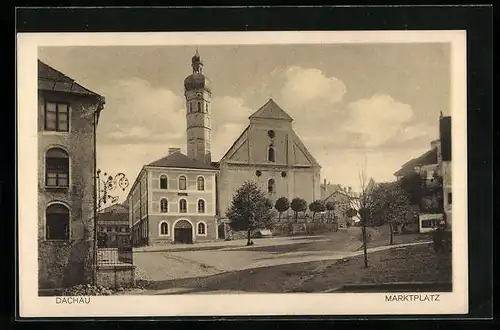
114	225
173	201
434	166
66	115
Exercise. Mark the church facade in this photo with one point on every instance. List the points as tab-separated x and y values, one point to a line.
268	152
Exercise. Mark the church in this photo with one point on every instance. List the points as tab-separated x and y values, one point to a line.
181	198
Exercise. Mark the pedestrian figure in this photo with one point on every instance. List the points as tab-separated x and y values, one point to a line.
438	238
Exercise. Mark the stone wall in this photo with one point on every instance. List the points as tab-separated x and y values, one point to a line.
116	276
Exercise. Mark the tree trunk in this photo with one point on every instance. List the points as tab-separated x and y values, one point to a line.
365	253
296	217
248	237
391	242
279	217
314	214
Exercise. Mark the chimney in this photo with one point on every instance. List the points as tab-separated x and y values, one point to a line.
173	150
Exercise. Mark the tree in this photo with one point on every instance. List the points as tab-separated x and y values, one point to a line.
249	209
282	205
298	205
390	204
330	207
317	206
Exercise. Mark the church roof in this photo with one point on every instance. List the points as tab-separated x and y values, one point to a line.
271	110
54	80
179	160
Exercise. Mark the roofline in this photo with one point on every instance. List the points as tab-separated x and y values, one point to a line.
270	118
234	143
180	168
135	183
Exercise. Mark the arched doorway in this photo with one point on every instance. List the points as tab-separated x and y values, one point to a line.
183	232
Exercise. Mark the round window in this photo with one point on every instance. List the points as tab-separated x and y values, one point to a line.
271	134
258	173
283	174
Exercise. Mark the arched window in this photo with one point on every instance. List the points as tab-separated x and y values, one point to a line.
164	205
163	182
182	182
201	228
57	222
270	154
182	206
56	168
271	186
200	183
199	107
206	107
190	107
201	206
164	228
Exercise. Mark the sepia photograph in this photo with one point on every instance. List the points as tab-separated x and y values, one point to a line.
170	171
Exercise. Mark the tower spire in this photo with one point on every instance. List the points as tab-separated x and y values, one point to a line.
197	63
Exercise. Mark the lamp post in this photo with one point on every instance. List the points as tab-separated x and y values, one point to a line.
105	186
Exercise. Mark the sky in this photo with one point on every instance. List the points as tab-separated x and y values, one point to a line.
368	107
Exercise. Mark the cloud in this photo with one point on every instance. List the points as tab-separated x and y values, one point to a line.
304	86
380	119
137	112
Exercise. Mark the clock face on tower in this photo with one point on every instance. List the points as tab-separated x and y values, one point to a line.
198	95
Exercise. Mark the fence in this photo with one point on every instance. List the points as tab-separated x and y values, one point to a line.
114	256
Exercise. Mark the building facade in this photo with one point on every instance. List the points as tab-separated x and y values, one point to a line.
113	226
269	153
445	165
173	201
67	117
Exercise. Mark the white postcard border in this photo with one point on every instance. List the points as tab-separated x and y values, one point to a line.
31	305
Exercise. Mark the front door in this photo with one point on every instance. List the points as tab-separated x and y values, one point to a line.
183	232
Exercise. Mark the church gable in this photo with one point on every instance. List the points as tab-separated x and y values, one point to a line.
238	152
302	156
271	110
299	158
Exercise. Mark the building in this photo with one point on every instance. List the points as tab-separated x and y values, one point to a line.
270	153
180	198
434	166
67	117
445	165
113	226
173	201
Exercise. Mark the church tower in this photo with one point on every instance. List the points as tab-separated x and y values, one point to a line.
197	90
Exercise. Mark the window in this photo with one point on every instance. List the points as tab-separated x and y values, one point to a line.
199	107
201	206
164	228
271	134
163	182
56	168
109	229
190	107
201	229
270	154
182	182
164	205
271	186
57	222
206	108
182	206
449	198
200	183
56	117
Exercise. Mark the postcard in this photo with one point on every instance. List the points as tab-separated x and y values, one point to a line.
242	173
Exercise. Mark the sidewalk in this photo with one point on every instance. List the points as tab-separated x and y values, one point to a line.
231	245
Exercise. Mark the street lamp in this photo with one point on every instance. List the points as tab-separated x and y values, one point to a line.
105	185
